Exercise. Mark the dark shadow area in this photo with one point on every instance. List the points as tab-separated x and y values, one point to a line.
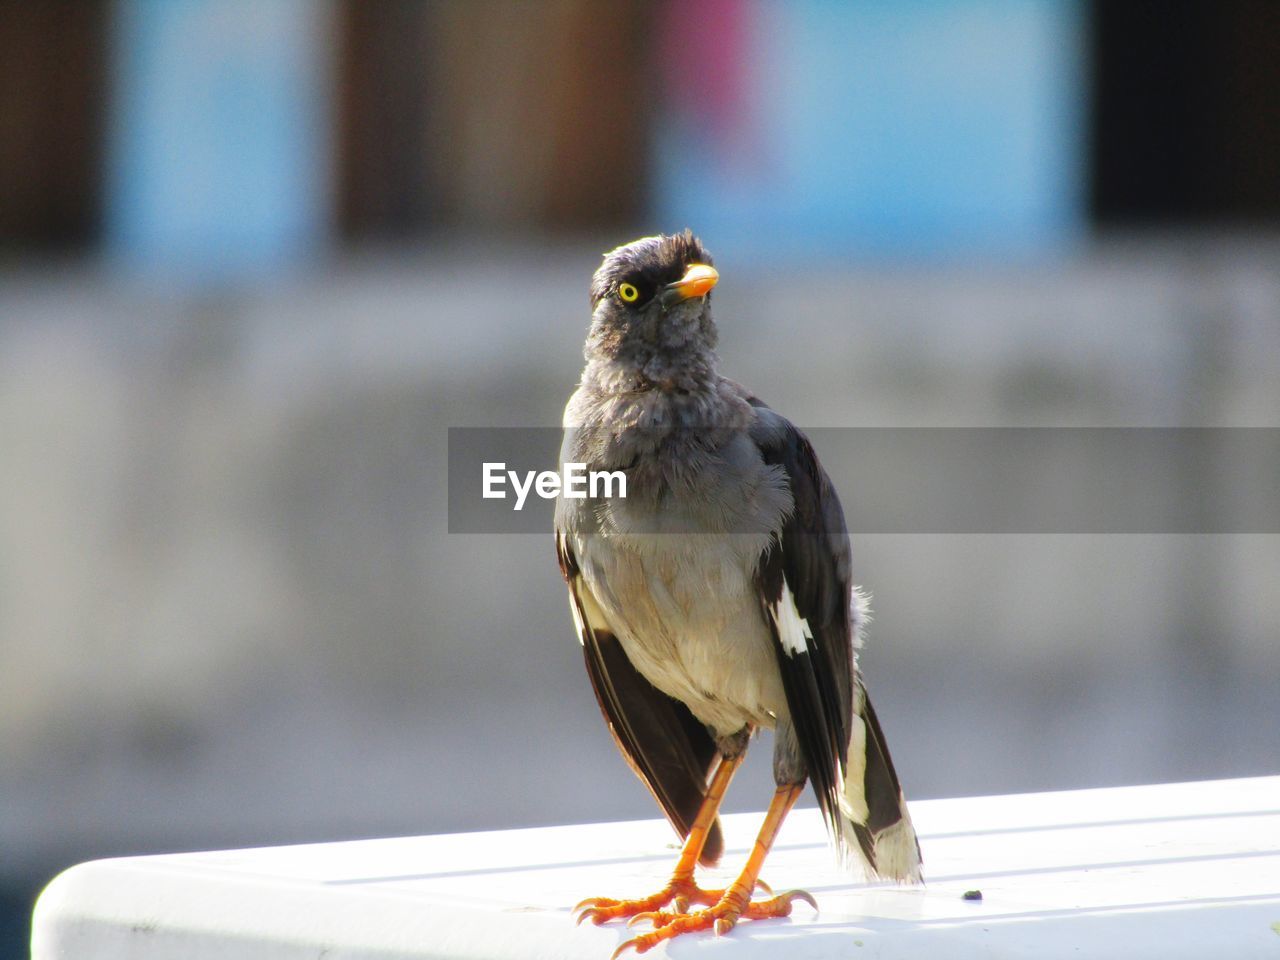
1186	112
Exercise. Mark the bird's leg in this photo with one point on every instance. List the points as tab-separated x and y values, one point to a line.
681	890
736	903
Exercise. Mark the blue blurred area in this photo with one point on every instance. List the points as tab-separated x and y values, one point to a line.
218	141
916	128
919	128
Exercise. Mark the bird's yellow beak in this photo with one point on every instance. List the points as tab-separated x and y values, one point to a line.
696	282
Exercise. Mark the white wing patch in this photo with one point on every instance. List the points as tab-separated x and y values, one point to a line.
793	629
853	801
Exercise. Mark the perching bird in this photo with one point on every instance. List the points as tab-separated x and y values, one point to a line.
714	598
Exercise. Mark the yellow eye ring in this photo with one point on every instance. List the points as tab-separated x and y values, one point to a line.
628	293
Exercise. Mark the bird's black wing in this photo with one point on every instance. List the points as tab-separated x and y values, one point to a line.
805	587
667	747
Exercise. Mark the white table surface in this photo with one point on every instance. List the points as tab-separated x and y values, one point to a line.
1166	871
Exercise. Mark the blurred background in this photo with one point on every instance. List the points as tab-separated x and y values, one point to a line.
256	256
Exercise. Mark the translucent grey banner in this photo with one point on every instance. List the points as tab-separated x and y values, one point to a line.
944	480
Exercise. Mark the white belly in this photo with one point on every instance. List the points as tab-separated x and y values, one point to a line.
687	615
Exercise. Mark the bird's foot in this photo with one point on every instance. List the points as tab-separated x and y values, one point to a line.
680	893
722	916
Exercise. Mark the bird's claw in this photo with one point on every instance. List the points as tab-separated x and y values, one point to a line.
658	918
624	947
595	909
804	895
720	918
591	902
680	893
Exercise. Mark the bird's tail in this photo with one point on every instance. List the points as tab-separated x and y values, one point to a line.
874	824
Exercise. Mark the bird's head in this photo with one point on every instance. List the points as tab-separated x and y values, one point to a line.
651	318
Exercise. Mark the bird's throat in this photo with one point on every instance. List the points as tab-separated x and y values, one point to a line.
688	374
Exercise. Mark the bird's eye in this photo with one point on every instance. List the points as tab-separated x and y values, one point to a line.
628	293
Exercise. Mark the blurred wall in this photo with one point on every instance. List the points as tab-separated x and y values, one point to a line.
232	613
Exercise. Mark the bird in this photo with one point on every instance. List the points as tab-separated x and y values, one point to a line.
715	598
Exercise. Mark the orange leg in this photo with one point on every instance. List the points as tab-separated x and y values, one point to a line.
736	903
681	890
